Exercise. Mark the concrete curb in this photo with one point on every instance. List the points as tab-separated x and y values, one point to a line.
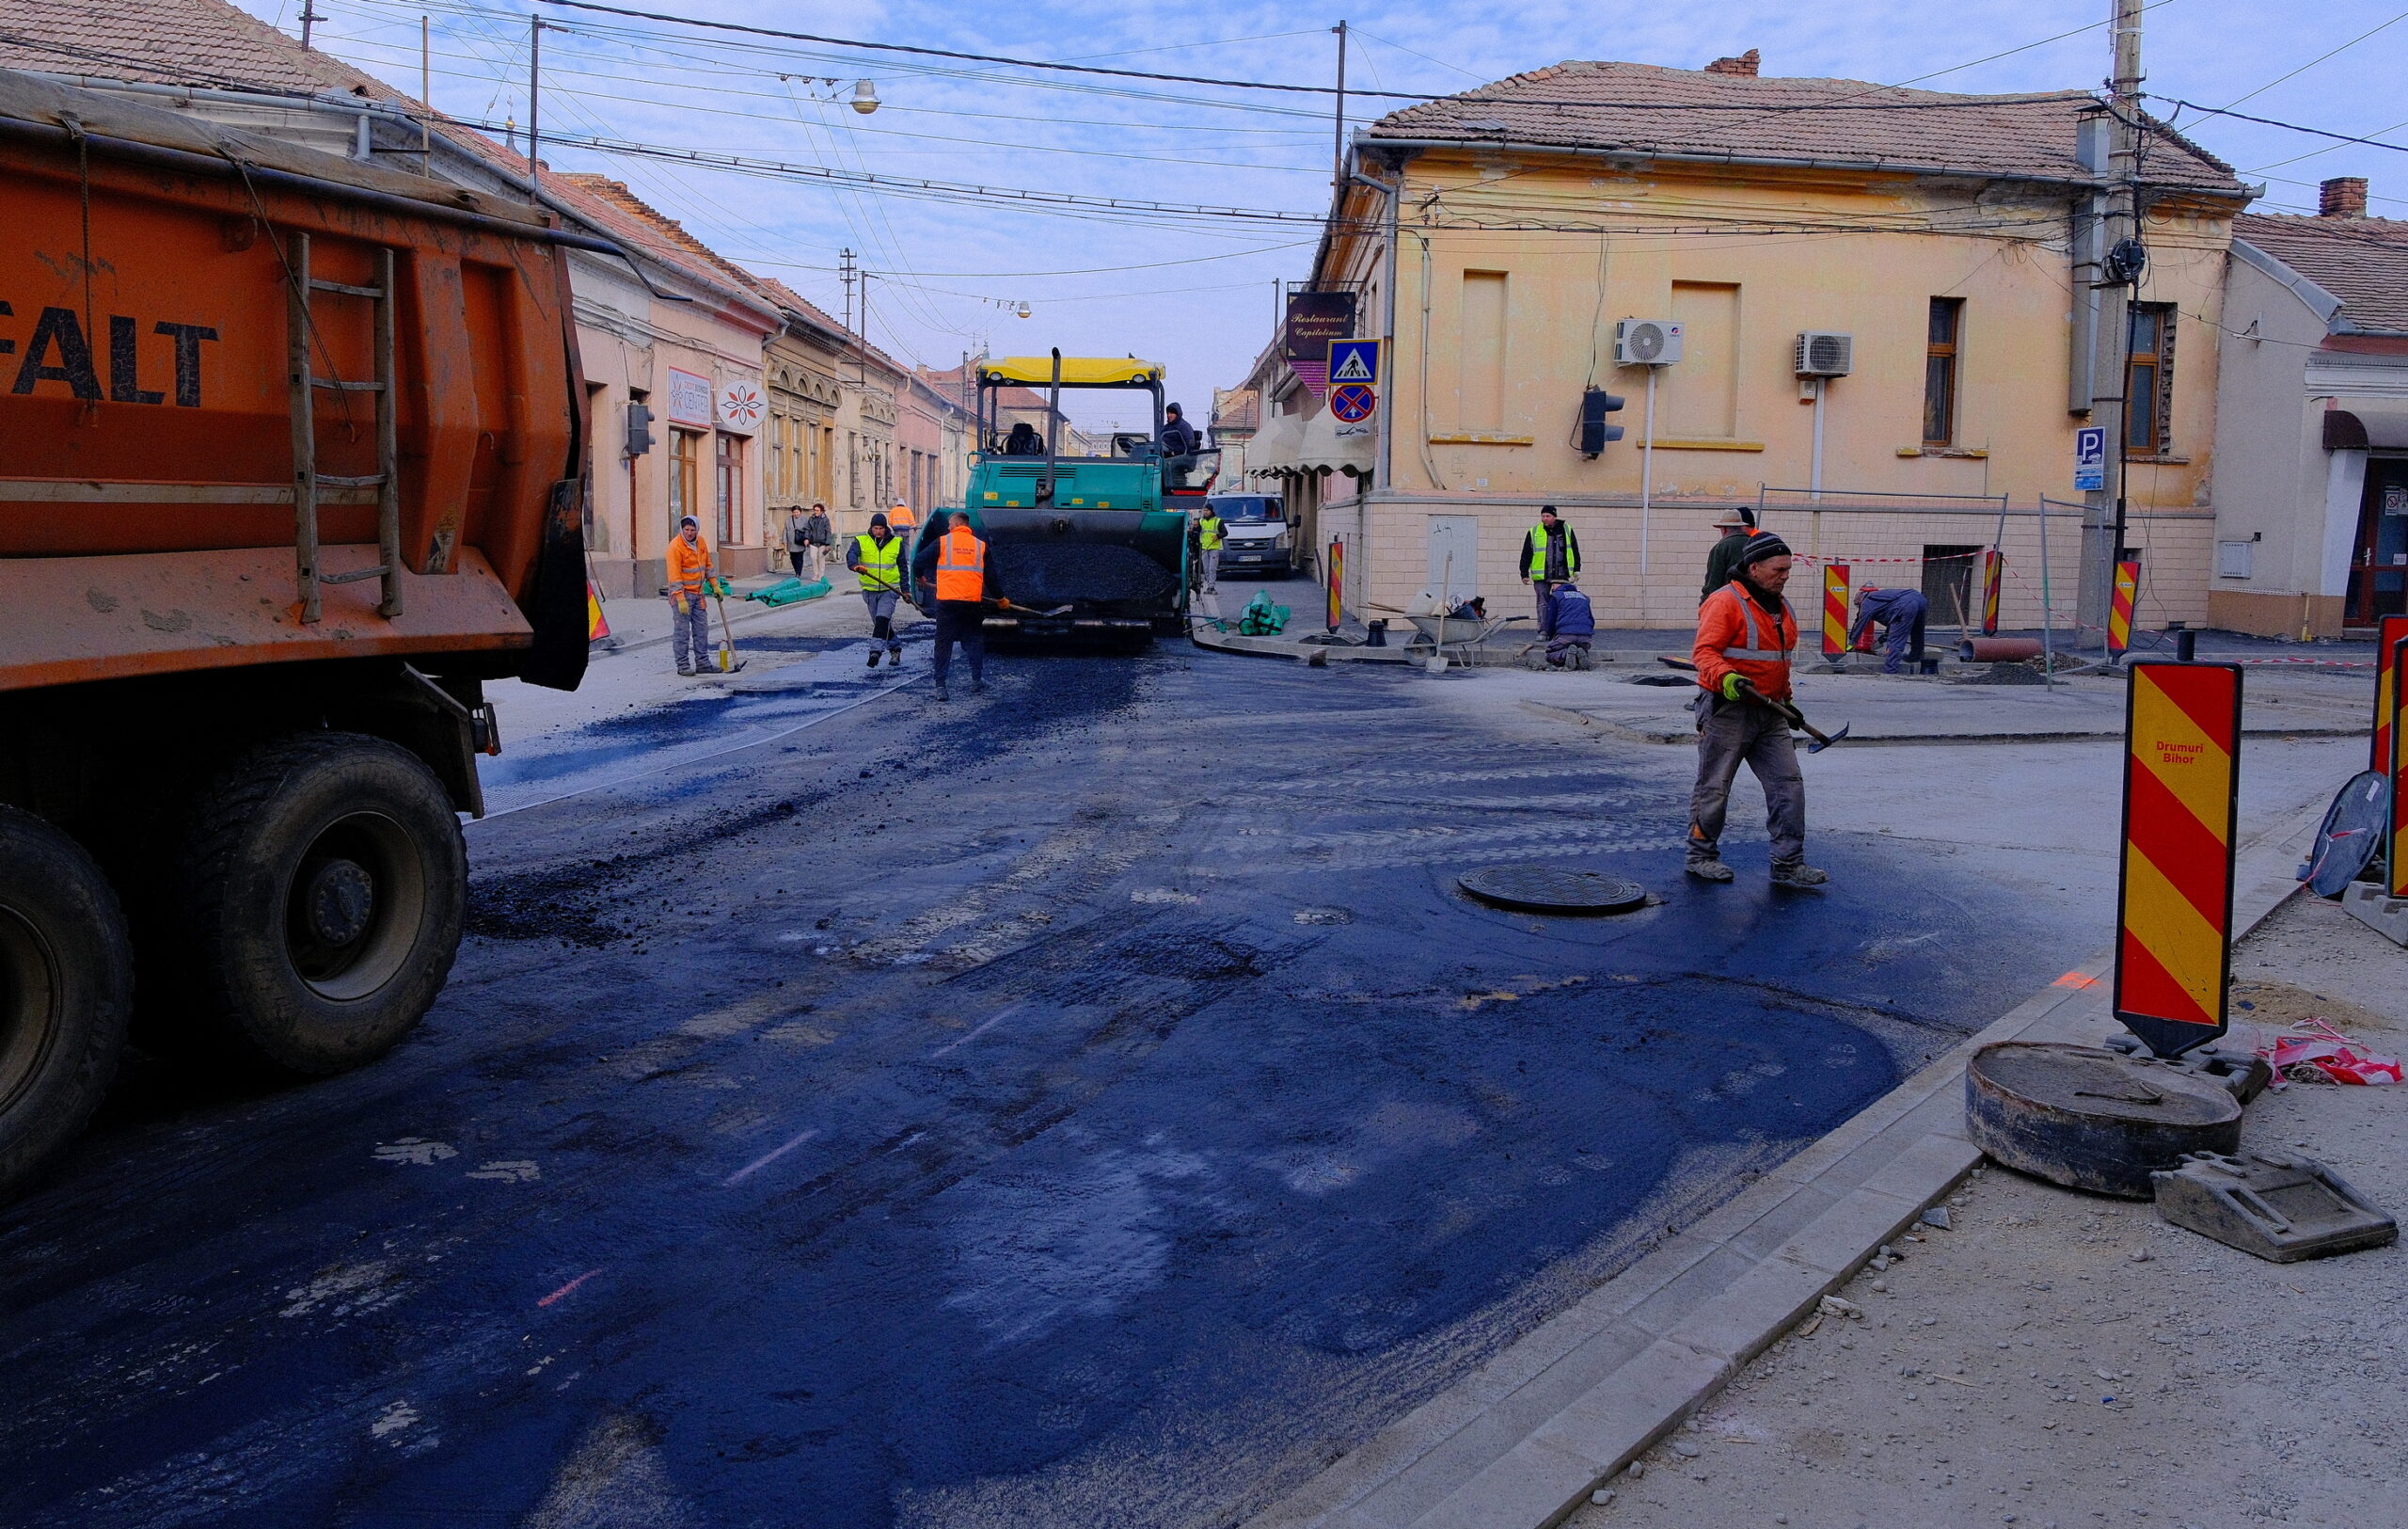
1527	1435
1689	735
1281	647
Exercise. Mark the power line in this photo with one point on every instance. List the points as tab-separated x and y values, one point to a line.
2269	122
2318	59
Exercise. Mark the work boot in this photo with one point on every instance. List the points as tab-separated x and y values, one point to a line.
942	695
686	669
1796	873
872	657
1708	871
977	687
894	658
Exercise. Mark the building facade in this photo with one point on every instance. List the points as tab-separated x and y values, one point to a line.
2311	501
1603	234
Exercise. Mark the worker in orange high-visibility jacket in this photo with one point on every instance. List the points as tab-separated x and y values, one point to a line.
953	560
903	520
1745	631
689	571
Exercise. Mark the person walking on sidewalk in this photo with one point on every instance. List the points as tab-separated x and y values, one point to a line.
1737	528
955	560
689	572
821	533
1745	635
1212	533
877	556
903	520
1550	555
798	540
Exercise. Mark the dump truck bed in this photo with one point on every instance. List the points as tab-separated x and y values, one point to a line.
148	491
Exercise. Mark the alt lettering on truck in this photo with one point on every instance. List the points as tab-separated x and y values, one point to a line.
58	351
293	461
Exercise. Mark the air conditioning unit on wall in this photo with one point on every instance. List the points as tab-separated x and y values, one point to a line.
1822	354
1646	342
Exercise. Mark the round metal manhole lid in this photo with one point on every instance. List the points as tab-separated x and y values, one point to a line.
2092	1119
2095	1082
2350	834
1549	889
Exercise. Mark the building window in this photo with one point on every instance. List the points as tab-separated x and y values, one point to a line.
729	497
2149	381
1939	371
1481	353
684	476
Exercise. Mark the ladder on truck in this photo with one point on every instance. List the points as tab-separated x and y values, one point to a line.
301	329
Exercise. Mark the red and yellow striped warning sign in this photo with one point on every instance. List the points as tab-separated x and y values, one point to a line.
597	626
1993	566
1336	613
2396	876
2119	614
2389	630
1835	610
2181	800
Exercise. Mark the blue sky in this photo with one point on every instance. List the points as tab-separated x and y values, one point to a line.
949	274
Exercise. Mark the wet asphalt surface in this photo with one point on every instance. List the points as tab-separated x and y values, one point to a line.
1087	1105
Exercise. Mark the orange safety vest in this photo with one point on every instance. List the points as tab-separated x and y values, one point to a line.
900	520
685	565
1735	634
962	566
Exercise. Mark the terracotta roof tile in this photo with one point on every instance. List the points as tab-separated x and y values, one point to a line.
1646	109
2362	261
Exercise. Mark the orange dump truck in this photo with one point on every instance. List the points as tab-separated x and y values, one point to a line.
291	461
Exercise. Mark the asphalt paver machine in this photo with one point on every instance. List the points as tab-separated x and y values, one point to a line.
1099	544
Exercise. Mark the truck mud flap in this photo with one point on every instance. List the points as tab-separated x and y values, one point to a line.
557	607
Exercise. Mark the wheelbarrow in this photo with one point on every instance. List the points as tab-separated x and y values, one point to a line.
1436	634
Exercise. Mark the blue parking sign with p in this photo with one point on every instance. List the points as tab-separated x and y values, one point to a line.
2090	458
1355	360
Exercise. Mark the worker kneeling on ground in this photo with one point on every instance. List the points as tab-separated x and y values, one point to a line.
878	557
1745	635
955	563
1568	627
1900	613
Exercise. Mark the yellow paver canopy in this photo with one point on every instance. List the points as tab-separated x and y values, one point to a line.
1077	371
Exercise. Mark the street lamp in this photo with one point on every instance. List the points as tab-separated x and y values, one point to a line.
864	97
1024	311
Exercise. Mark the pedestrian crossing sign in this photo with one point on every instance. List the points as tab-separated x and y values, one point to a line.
1355	360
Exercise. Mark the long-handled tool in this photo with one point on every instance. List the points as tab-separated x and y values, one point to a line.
1796	718
1002	604
728	662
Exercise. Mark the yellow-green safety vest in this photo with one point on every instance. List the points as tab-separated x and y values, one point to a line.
1208	534
1537	568
881	567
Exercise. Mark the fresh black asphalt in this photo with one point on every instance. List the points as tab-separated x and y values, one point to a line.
1088	1104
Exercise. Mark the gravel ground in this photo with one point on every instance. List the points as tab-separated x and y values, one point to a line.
2056	1360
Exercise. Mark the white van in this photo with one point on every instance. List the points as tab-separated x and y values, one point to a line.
1258	539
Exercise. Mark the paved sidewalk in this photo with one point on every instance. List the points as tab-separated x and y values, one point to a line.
2058	1360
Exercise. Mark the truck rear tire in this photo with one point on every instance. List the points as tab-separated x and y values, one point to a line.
66	983
319	887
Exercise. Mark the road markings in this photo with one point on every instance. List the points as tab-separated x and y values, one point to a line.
560	1292
415	1150
766	1159
509	1172
984	1025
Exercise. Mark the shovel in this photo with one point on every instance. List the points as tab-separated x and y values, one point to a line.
1002	604
1796	718
728	662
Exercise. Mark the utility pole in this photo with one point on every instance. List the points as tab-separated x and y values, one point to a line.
309	19
1337	154
534	101
2115	280
425	99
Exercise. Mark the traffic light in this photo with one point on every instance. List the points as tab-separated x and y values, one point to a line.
1595	404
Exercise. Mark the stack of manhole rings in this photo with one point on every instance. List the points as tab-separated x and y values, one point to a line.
1552	890
2093	1119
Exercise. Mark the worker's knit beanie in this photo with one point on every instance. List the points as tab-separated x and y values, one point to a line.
1762	546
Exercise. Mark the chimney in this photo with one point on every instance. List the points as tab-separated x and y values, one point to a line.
2344	196
1745	64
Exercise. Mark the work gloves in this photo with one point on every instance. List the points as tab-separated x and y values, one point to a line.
1731	684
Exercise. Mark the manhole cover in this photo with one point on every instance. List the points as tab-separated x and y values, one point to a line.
2091	1119
1546	889
2352	833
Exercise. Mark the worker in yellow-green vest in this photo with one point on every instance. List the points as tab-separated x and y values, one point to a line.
1550	555
878	558
1211	535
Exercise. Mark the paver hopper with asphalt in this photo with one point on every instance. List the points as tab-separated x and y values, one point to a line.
1102	536
291	460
